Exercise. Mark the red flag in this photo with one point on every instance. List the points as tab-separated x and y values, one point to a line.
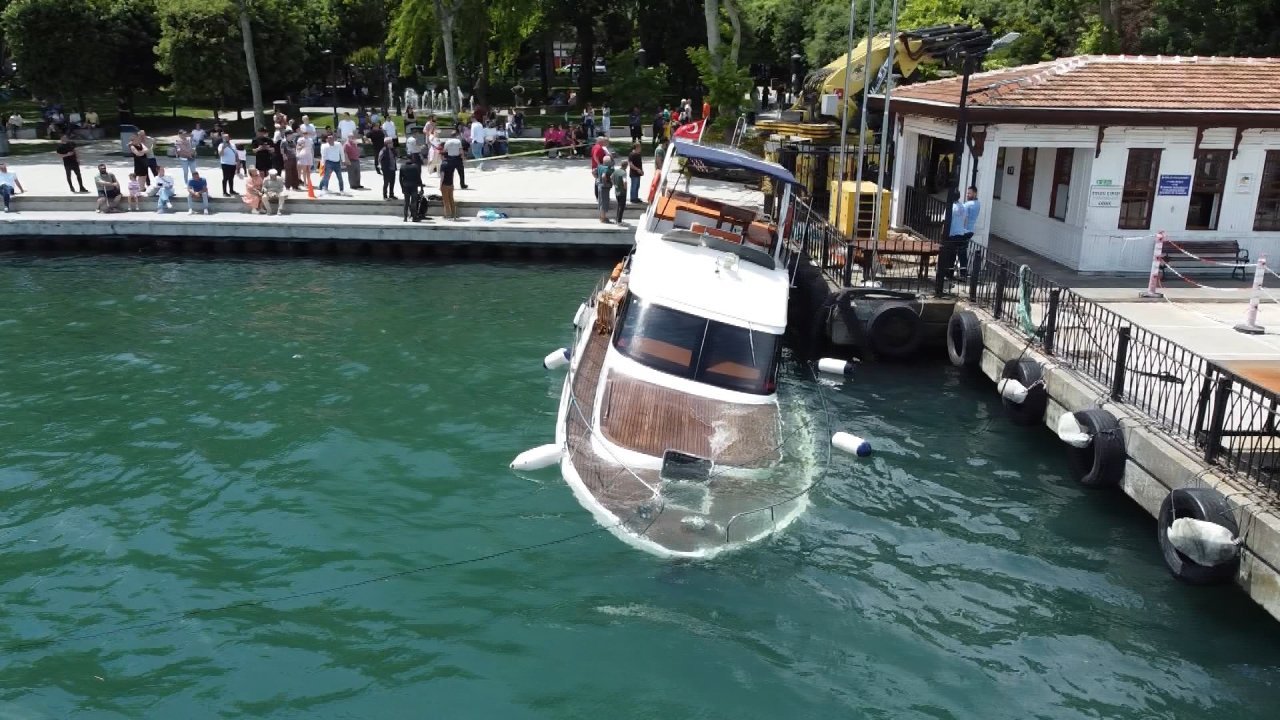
692	131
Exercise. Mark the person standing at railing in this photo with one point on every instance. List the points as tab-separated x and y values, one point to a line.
972	207
953	247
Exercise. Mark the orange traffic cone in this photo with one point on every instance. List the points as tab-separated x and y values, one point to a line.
311	191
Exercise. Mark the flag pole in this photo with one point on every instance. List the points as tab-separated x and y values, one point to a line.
884	140
862	127
844	145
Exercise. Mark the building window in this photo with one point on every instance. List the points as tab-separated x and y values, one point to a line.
1206	189
1027	178
1061	183
1139	195
1267	216
999	174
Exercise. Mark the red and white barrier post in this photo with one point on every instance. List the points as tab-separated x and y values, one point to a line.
1250	325
1153	282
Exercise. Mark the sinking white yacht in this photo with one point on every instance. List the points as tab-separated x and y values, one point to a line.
670	428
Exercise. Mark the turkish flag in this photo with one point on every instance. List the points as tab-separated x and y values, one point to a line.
692	130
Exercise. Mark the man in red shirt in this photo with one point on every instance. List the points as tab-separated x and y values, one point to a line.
598	151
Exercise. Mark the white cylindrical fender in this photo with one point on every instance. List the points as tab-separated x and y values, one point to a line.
557	359
1012	390
1070	432
836	366
580	316
1206	543
537	458
851	444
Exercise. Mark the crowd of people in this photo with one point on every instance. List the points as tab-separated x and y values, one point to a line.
284	158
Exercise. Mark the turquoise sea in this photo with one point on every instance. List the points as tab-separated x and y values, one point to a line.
178	435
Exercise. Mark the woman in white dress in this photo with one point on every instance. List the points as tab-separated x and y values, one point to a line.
305	157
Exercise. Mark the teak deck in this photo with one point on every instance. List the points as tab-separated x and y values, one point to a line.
652	419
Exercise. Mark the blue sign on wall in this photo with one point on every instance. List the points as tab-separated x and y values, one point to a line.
1175	185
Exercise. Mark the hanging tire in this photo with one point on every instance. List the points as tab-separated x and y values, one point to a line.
894	330
1031	410
1201	504
964	340
1101	463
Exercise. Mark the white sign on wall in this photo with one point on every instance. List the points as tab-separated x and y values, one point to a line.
1244	183
1104	194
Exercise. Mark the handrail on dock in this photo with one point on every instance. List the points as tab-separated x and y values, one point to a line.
1228	420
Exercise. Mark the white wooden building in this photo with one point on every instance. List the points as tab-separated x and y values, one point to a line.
1081	160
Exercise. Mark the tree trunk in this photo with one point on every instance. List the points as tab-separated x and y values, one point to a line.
446	17
735	20
251	65
711	8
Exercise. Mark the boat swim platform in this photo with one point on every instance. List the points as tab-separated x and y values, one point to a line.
309	234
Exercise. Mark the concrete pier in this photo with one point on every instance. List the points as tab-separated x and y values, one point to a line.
1156	464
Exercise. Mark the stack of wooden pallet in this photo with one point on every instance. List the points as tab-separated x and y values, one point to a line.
814	132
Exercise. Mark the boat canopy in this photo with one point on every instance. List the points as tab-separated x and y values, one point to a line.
707	159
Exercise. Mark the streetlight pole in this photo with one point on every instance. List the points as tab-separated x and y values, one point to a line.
971	60
333	85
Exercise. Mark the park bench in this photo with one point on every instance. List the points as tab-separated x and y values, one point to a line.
1228	253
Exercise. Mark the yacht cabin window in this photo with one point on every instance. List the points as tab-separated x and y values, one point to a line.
693	347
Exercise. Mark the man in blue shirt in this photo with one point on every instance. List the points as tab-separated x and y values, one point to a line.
197	192
971	209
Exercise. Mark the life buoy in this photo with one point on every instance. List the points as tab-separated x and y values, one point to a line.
1101	462
964	340
894	330
1029	408
1202	504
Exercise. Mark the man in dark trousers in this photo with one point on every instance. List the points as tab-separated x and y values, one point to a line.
636	124
386	167
263	149
70	162
410	186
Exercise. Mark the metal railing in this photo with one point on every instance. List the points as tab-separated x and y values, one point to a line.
924	214
1226	419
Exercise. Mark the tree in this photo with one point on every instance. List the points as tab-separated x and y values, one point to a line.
632	85
446	13
202	63
250	62
50	41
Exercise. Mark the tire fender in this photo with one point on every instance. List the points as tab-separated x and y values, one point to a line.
1201	504
964	340
1031	410
893	330
1101	462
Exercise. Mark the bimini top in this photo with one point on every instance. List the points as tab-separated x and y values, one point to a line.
706	159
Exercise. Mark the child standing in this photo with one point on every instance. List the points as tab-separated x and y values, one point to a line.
135	192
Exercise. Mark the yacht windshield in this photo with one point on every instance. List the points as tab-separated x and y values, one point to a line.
697	348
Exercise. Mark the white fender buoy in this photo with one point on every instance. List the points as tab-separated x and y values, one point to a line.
851	444
1206	543
1012	390
537	458
1070	432
580	316
557	359
836	366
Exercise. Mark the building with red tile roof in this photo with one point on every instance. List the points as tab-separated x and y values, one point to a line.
1084	159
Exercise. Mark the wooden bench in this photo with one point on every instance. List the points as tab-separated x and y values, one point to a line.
1177	255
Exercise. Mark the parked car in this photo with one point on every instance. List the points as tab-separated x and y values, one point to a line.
572	68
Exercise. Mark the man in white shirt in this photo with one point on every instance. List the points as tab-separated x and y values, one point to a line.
453	160
306	128
198	135
15	124
389	129
346	127
8	181
477	138
332	154
162	188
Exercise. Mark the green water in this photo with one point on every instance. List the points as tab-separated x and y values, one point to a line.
177	435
